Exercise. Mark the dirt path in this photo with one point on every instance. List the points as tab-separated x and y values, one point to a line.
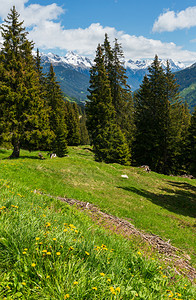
171	254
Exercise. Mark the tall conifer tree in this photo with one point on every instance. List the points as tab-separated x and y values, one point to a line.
24	118
120	90
57	114
84	136
108	141
158	120
73	123
192	142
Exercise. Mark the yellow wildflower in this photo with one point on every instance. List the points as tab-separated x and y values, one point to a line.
86	253
139	253
54	239
109	280
44	251
66	296
48	253
75	283
33	264
58	253
23	283
24	252
65	230
118	289
37	238
94	288
102	274
112	290
72	226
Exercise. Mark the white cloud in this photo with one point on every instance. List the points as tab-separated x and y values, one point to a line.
48	33
84	41
170	21
5	6
32	14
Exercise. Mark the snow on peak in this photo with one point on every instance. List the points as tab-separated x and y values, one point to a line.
77	60
144	64
70	58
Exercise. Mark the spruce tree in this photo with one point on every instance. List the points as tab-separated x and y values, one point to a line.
24	118
73	123
158	120
120	90
57	114
180	121
108	141
191	145
84	136
144	124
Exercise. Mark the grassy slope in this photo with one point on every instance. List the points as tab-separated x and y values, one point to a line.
163	205
159	204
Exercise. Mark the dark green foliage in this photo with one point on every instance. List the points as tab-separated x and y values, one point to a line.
159	121
57	115
183	151
108	141
72	122
120	90
84	136
110	145
100	110
144	124
24	116
192	144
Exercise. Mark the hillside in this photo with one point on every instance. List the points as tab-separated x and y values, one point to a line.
49	250
73	83
189	94
187	81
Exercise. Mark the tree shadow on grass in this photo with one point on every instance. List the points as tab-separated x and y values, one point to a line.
181	201
23	157
3	151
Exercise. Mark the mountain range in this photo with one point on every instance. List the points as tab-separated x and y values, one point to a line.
72	71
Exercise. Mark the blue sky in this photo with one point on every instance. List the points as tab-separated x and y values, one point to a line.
143	27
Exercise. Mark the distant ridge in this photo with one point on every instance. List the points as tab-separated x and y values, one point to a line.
187	81
72	72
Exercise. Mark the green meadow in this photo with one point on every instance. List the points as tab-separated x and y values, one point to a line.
49	250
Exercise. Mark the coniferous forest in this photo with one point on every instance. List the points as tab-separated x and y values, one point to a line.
152	127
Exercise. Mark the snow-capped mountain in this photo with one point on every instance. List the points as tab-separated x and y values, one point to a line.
144	64
78	61
70	59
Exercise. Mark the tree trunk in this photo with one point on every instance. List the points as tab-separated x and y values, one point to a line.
16	151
